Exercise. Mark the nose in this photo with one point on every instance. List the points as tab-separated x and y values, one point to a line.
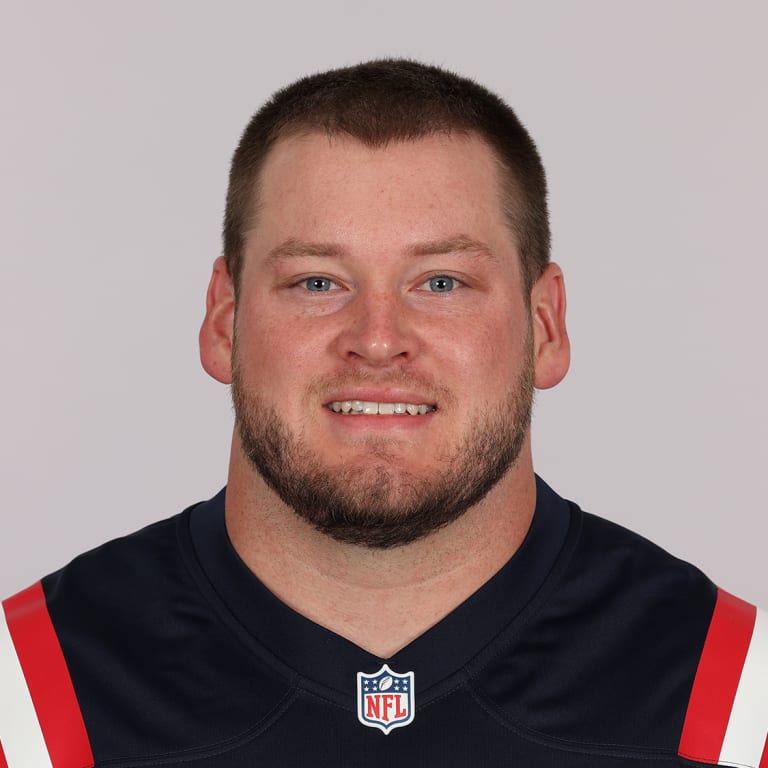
378	331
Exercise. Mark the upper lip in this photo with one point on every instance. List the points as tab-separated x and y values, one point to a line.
371	395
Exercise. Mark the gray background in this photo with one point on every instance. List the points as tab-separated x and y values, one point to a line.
117	124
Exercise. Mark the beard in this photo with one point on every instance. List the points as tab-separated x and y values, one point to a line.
383	505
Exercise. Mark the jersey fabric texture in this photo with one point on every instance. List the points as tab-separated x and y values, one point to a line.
591	647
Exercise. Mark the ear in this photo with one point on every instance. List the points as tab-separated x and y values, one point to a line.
217	330
551	347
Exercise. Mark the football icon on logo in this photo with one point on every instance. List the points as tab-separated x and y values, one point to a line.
385	699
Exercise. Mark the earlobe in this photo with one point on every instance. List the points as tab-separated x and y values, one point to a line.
217	330
551	347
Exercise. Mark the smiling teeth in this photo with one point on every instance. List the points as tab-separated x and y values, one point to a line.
368	408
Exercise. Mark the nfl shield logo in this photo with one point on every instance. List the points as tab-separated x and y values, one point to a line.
385	699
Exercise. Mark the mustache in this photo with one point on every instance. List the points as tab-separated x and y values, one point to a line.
422	383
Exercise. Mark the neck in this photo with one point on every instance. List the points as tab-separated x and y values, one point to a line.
380	600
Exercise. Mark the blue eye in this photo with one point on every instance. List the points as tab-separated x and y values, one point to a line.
441	284
318	284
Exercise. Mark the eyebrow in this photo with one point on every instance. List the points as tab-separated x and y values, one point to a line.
456	244
294	248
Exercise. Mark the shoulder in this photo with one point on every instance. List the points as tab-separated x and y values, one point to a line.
681	621
119	572
720	637
116	657
627	650
41	723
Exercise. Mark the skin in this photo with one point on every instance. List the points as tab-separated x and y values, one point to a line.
379	224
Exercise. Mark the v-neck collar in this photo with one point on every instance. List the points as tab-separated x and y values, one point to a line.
331	661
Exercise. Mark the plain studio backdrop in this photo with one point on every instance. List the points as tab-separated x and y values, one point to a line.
118	121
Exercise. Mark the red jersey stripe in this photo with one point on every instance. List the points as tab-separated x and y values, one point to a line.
748	724
764	758
717	678
4	762
48	680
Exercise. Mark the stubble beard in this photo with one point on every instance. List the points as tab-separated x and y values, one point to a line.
383	506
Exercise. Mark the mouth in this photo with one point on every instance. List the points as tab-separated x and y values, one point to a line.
373	408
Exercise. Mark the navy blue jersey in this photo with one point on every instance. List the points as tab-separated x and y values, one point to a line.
591	647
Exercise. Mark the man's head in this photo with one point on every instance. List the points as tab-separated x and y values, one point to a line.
378	327
387	101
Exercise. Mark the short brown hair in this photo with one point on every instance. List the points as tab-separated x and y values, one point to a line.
378	102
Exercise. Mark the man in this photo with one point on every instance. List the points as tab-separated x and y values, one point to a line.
384	581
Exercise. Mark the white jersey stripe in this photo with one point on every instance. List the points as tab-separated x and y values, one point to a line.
748	724
20	733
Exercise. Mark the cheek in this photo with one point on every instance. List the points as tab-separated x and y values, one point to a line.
490	356
255	344
271	351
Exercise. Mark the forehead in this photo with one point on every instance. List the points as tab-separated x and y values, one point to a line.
315	182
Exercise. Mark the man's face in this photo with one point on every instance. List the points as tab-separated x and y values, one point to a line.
382	358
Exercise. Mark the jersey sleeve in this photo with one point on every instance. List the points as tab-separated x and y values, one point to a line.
726	722
40	721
